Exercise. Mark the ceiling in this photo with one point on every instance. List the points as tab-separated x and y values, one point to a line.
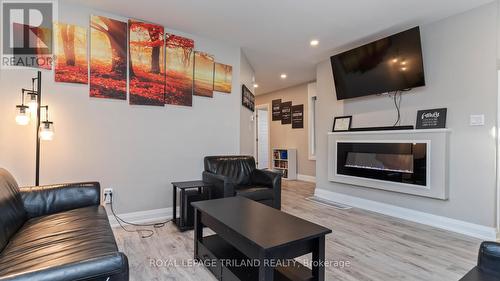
275	34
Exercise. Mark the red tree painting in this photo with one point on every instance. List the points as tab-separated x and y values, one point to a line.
147	68
203	74
179	69
70	53
108	58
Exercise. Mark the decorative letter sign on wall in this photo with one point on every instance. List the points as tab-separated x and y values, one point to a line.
431	118
247	98
298	116
276	110
286	112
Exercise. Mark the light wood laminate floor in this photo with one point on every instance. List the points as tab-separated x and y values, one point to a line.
377	247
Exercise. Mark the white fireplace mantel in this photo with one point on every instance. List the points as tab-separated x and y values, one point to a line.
437	141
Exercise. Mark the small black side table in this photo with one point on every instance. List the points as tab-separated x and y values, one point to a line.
182	221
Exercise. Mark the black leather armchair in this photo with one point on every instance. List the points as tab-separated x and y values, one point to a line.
56	233
238	176
488	264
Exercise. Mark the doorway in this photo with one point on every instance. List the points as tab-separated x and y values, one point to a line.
262	136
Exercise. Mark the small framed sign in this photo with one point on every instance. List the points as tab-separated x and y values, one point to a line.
431	118
247	98
298	116
276	110
342	124
286	112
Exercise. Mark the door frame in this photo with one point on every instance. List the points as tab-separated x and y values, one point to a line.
266	106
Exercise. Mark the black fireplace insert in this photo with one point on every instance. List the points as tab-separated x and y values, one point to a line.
395	162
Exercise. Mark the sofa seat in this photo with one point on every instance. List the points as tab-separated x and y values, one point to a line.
256	193
79	241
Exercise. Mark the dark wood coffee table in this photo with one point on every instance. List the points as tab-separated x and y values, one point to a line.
264	238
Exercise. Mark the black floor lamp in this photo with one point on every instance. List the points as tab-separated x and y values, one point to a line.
44	129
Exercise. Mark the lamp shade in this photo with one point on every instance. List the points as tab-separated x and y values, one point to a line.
32	102
46	130
22	115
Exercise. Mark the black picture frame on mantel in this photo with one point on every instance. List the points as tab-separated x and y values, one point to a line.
431	119
339	124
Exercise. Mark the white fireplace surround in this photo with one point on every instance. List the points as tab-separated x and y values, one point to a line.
437	141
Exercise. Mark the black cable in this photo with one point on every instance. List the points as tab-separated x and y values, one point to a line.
140	231
397	105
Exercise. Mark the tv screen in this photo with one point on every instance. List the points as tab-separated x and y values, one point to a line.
389	64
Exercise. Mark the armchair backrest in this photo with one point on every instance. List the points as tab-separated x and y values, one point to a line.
237	168
12	213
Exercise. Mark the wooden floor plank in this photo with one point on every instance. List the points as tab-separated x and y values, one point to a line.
378	247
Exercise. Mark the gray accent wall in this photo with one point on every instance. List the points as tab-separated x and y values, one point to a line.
460	55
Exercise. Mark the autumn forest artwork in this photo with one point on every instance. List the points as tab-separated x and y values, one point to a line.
108	58
180	69
70	53
223	79
147	68
203	74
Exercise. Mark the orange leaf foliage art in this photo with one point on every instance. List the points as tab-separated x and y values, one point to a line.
180	68
108	58
71	64
147	74
223	78
203	74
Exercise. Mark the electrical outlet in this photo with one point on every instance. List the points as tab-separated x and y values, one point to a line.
108	192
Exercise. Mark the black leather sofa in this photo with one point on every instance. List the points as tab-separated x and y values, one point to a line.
238	176
488	264
56	233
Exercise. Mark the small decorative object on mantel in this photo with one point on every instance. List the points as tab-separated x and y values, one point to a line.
431	118
247	98
298	116
342	124
276	110
286	113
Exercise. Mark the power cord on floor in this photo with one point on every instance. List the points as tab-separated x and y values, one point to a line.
144	233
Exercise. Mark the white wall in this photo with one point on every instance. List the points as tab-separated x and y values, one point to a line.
247	126
460	66
136	150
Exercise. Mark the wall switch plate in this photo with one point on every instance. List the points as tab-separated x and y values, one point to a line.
477	120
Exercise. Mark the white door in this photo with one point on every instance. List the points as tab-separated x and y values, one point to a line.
262	138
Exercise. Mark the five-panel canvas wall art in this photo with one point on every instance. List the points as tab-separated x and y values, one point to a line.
162	68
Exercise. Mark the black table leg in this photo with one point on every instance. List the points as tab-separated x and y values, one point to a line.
266	272
198	232
318	258
182	219
174	199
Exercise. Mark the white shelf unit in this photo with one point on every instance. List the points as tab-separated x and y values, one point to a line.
285	160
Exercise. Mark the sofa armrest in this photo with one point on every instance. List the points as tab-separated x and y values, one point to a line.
489	257
271	180
50	199
223	186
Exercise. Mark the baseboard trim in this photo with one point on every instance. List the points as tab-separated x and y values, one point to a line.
149	216
306	178
462	227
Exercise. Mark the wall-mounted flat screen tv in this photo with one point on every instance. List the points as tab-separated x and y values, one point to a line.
390	64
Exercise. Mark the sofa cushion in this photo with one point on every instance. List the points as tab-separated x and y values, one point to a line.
12	214
256	193
80	241
237	168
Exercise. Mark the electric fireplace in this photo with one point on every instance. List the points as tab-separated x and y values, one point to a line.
398	162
